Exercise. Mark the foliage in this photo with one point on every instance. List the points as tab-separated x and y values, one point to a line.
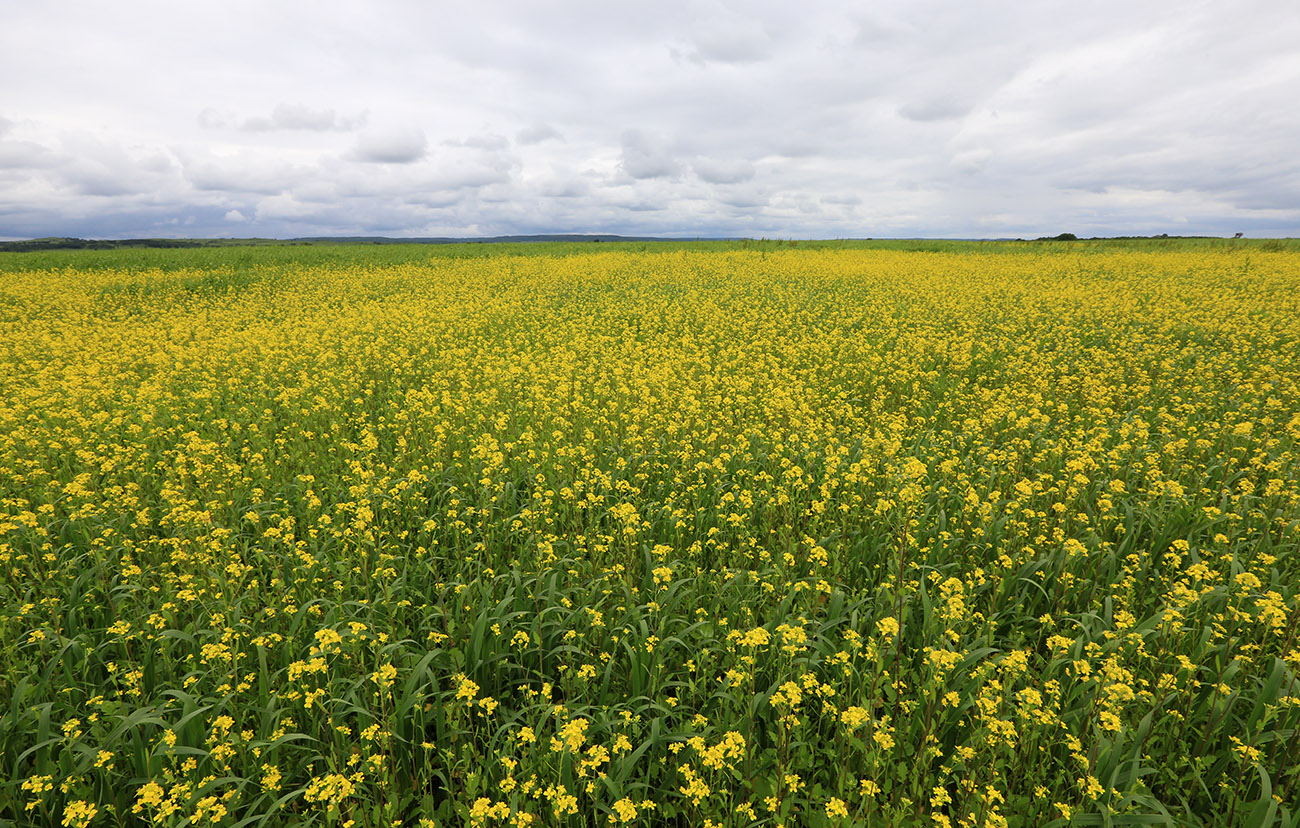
715	535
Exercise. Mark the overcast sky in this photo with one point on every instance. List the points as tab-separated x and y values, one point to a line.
776	119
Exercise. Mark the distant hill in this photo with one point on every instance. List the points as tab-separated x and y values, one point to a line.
67	243
1072	237
64	243
546	237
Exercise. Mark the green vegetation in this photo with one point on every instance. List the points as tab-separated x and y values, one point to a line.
757	533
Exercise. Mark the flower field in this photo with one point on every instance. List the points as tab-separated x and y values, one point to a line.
695	536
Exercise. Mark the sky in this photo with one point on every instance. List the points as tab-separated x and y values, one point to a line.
673	118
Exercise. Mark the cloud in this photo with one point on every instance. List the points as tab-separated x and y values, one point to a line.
564	187
732	40
646	155
77	162
722	171
241	172
879	28
537	133
971	161
25	155
469	175
487	141
96	165
295	116
558	181
919	118
92	180
934	109
745	198
283	117
235	216
396	146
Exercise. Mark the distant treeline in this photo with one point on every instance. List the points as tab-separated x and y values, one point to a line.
32	245
93	244
63	243
1072	237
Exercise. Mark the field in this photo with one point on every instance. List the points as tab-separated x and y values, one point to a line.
691	535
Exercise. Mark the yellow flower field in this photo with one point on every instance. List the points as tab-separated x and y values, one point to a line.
696	536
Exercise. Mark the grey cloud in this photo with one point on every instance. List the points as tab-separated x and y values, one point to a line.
647	156
487	141
81	163
436	199
746	198
354	217
163	219
399	146
209	118
295	116
537	133
565	189
642	206
94	180
734	40
284	117
287	208
971	161
26	155
351	217
454	176
879	28
996	119
470	176
723	171
562	184
241	173
842	199
935	109
1271	195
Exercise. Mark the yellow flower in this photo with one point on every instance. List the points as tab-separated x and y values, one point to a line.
384	676
79	814
150	795
855	717
836	809
209	808
624	810
270	777
466	689
330	789
574	733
